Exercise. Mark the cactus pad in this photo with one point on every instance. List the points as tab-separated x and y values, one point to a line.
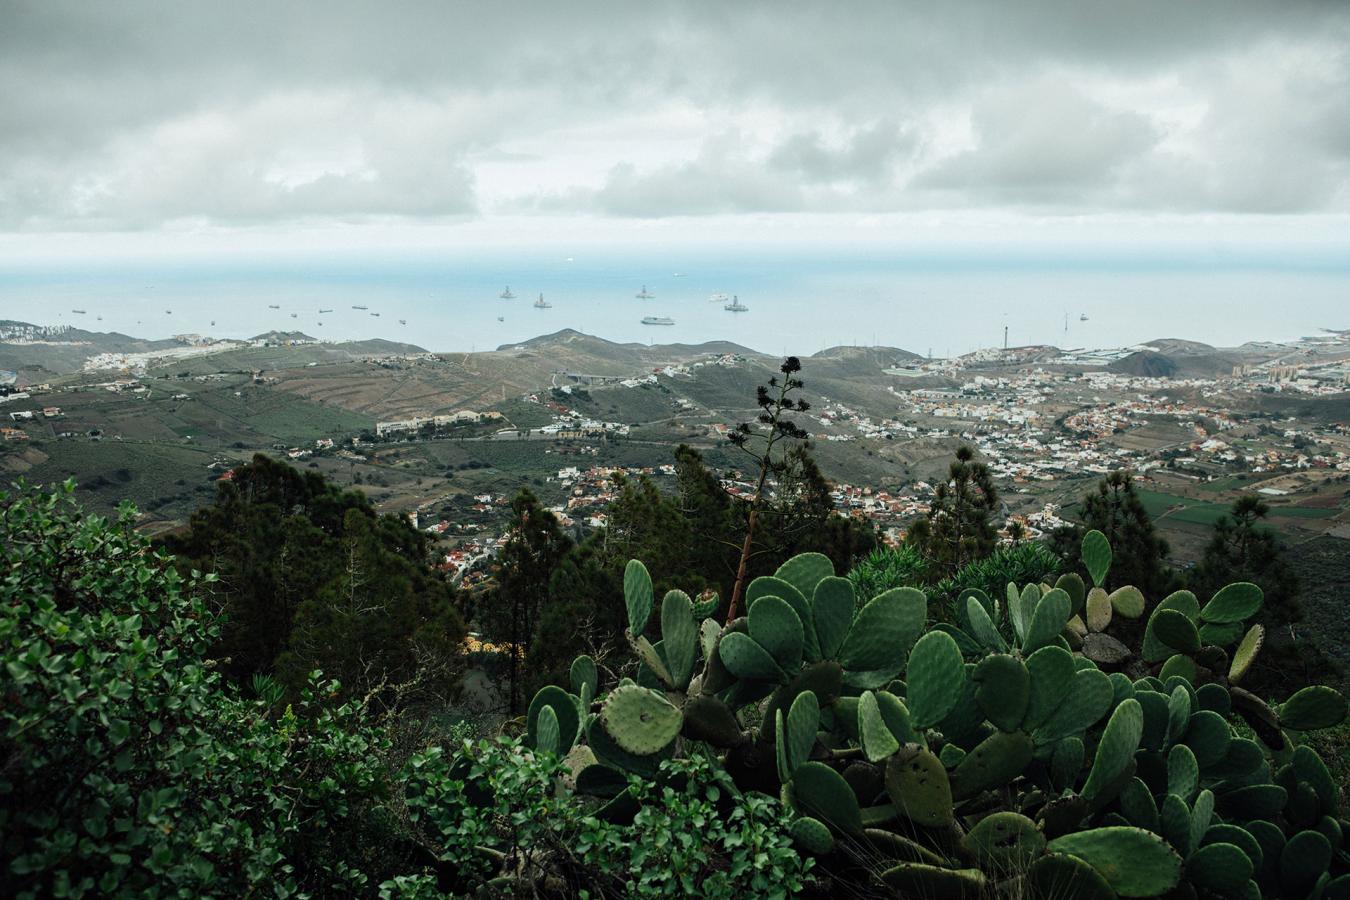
1128	601
1051	670
1138	805
1184	602
1051	615
546	731
679	637
584	672
565	714
1311	770
916	782
1086	699
1219	867
1303	861
640	720
821	792
935	677
982	626
832	609
1134	862
1004	842
1208	734
876	738
745	658
1175	630
1066	761
776	627
811	835
637	595
824	679
884	631
804	571
1313	707
1115	750
1236	602
709	719
1096	556
1057	876
800	726
1098	609
996	761
912	879
1183	772
1178	665
1072	584
1003	689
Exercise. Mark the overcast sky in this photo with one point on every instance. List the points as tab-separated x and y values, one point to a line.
138	125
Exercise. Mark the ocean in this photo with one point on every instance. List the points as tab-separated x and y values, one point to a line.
800	301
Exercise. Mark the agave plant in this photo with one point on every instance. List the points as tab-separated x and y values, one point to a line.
1024	750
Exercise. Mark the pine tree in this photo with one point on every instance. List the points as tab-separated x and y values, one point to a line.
1243	549
759	443
1140	553
311	577
957	530
535	546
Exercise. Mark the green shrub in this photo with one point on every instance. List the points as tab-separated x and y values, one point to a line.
885	568
1021	563
127	769
494	811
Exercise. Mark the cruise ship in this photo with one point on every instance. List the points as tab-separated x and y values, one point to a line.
541	303
657	320
736	306
645	294
506	294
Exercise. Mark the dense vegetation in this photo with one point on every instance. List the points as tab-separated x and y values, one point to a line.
309	577
272	710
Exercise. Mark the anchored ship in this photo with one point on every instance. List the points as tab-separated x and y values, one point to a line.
273	306
719	297
360	307
322	311
506	294
736	305
541	303
657	320
78	312
645	294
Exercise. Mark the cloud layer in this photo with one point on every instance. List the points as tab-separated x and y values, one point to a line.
131	115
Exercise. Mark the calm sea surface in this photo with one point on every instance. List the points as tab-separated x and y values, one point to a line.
799	302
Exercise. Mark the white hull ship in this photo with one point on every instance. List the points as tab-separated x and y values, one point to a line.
541	303
718	298
657	320
736	306
506	294
645	294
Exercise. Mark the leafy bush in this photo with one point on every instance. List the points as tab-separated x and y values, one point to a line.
127	770
494	811
885	568
1021	563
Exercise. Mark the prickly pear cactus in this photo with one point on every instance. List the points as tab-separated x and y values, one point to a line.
1024	750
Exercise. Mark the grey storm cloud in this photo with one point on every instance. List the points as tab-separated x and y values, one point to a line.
130	115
